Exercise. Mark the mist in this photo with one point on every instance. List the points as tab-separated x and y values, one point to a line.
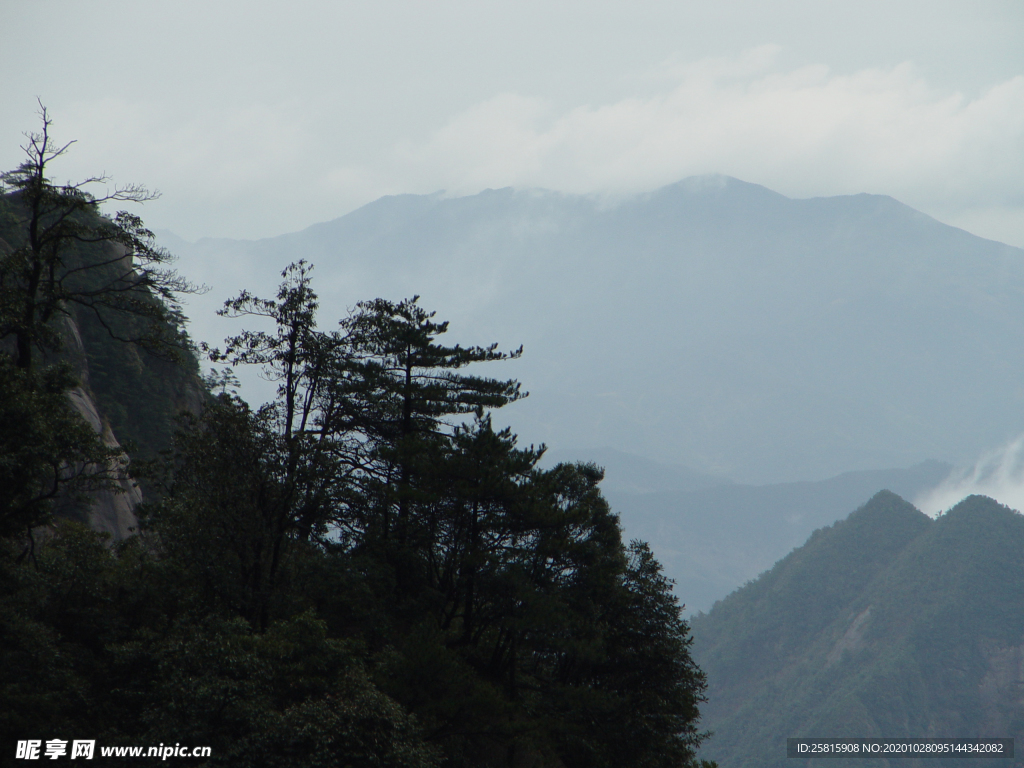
713	324
335	105
998	474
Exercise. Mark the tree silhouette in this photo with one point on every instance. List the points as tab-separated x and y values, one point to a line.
68	255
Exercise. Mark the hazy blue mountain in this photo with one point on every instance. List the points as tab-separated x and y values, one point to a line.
886	624
713	323
712	540
627	473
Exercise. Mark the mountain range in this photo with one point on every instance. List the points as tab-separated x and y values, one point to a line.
713	323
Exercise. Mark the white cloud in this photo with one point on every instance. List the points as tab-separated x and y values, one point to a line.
248	167
223	151
803	132
999	475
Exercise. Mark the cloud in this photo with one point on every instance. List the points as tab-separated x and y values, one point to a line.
234	146
998	474
804	132
239	166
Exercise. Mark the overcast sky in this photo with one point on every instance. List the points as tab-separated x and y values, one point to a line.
258	118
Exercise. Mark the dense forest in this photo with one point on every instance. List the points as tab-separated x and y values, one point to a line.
363	571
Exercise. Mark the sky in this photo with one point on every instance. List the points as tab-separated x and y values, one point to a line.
259	118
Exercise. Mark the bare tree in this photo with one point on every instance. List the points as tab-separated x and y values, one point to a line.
66	253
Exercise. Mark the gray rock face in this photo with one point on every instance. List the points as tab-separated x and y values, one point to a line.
109	512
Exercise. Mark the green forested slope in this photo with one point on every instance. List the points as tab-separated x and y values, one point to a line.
886	624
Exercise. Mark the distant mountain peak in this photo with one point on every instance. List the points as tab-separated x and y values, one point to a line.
713	323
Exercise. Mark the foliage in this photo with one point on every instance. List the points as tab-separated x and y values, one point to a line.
73	284
352	573
100	644
364	571
47	450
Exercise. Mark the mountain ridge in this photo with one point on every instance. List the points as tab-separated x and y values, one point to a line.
713	323
713	540
690	185
887	624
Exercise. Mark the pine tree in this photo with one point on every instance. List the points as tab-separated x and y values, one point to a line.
405	394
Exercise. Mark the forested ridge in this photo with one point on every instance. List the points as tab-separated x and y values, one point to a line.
364	571
888	624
